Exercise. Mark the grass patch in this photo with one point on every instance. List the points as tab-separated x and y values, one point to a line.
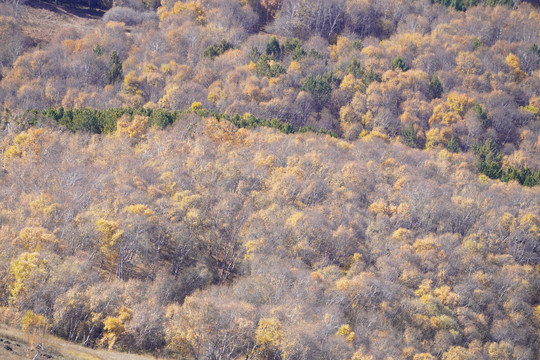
59	348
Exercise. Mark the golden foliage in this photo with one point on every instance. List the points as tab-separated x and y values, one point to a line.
110	236
501	351
25	266
139	209
428	243
360	355
135	128
44	204
468	63
28	144
352	84
132	83
194	8
343	46
345	331
437	137
269	334
446	296
32	322
424	356
514	63
459	103
382	208
216	92
33	239
114	327
403	235
195	106
458	353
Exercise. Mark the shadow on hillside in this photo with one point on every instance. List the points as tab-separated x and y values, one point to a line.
79	11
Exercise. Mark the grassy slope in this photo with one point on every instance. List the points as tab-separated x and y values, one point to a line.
54	348
40	20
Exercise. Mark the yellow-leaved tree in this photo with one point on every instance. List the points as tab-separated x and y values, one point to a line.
346	332
27	270
115	327
35	325
269	336
135	128
424	356
110	246
35	238
27	145
514	63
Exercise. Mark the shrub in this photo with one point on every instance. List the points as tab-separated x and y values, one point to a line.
128	16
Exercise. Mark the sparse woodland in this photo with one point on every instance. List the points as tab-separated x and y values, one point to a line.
277	179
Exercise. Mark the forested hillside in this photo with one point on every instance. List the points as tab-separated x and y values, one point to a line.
275	179
427	74
206	241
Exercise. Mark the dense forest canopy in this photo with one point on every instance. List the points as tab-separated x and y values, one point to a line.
276	179
421	72
259	243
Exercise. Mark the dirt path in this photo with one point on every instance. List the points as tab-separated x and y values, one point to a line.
40	20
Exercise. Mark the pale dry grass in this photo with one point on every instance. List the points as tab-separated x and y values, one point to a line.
59	348
41	21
